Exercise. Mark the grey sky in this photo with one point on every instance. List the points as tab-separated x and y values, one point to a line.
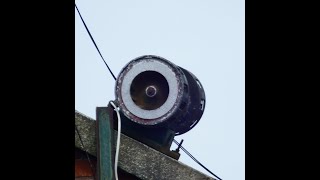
205	37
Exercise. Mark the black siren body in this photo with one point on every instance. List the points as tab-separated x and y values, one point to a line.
153	92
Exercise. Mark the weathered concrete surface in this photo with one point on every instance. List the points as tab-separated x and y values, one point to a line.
87	130
137	158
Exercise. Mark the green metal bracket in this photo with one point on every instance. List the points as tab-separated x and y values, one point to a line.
159	139
105	143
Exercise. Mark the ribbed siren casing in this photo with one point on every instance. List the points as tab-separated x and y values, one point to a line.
154	92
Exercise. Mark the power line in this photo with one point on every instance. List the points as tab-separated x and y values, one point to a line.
94	43
193	158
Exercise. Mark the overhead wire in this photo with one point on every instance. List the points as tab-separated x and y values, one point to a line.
193	158
94	42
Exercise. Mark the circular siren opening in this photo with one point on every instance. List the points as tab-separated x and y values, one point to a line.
149	90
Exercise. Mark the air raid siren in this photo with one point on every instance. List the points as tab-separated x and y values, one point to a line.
153	92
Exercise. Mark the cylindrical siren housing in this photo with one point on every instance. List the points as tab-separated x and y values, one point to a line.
154	92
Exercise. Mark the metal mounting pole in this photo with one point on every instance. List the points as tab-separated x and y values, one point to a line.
105	143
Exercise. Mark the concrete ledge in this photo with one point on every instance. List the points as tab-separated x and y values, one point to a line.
137	158
87	130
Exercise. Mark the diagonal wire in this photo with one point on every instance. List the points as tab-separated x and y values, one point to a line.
92	169
175	141
94	43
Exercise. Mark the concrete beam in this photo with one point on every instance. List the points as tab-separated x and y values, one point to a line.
135	157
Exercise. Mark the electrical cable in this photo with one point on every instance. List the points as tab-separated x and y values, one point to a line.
193	158
118	140
94	42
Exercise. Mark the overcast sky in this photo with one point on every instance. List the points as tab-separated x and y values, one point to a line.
206	37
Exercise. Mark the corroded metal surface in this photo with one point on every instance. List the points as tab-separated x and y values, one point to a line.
139	159
83	168
84	178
